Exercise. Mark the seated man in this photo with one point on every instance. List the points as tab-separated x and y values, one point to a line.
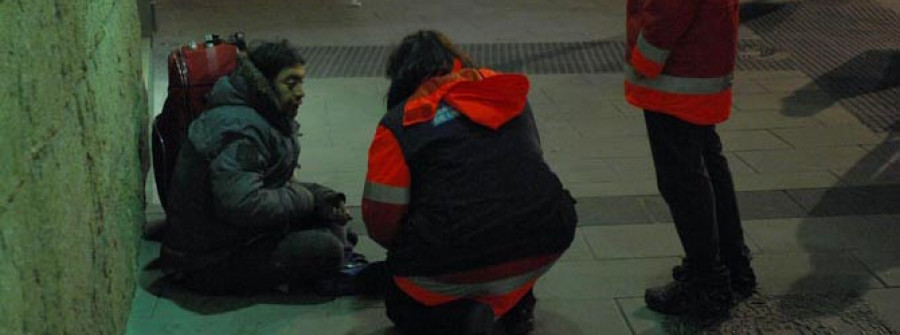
239	221
458	192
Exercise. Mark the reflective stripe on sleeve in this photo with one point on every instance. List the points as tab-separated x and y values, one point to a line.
651	52
386	194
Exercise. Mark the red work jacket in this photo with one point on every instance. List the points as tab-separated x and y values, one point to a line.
458	192
681	56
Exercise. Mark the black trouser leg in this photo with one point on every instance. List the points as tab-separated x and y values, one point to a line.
678	149
268	261
454	318
309	254
246	271
733	250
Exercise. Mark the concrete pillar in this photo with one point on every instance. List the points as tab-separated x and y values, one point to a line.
73	116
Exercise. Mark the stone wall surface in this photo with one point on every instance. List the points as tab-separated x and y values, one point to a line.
72	162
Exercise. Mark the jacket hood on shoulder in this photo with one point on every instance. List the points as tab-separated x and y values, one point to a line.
246	86
486	97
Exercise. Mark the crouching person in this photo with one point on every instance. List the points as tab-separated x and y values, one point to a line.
239	220
458	192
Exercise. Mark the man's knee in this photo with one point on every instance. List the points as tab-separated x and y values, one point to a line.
314	251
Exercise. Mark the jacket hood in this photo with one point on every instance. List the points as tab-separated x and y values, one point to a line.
246	86
486	97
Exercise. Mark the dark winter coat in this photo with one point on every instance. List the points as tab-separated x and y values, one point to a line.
233	176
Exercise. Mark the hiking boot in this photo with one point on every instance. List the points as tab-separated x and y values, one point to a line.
345	282
700	294
520	319
743	280
743	283
479	320
354	262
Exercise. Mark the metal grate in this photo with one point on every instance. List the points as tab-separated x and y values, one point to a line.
850	48
793	313
531	58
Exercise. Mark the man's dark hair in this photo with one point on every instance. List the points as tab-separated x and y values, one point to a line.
272	57
420	56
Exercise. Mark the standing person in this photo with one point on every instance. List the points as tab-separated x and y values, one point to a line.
239	221
680	60
458	192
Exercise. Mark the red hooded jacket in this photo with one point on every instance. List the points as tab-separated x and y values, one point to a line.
458	192
681	56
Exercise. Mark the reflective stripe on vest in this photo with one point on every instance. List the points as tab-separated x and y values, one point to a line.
680	85
651	52
386	194
496	287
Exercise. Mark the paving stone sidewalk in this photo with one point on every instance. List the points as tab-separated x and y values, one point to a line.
816	166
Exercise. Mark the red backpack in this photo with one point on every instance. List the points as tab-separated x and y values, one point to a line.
193	70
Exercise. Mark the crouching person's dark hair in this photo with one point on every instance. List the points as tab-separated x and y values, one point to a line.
420	56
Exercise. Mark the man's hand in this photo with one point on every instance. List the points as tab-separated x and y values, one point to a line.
335	210
329	204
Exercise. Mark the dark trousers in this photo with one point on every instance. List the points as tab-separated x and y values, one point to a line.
458	317
695	181
270	260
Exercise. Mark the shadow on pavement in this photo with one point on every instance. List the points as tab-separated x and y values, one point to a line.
871	225
867	82
871	72
863	205
870	187
845	45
